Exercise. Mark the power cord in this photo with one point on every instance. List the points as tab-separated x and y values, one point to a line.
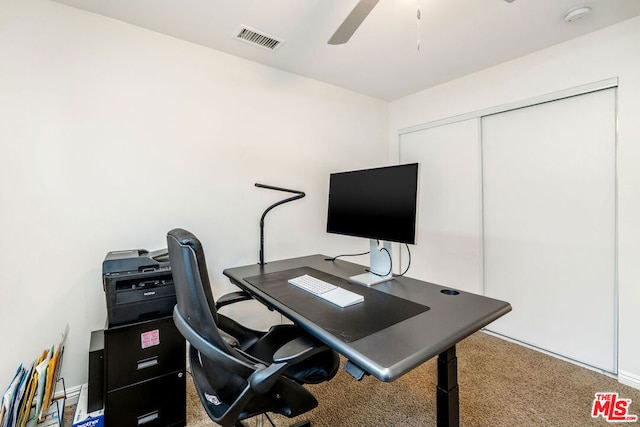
390	264
408	265
390	261
344	255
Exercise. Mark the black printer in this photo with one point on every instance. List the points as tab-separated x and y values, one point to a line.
138	285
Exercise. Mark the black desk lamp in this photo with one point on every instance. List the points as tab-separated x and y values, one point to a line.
298	195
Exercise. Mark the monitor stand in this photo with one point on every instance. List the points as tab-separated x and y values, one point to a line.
379	262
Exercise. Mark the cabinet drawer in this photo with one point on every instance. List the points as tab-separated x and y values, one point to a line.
158	402
141	351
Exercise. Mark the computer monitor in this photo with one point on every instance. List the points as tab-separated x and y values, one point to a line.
380	204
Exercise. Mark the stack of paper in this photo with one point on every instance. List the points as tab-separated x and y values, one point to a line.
30	393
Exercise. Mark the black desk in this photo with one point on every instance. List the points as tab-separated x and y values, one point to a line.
394	351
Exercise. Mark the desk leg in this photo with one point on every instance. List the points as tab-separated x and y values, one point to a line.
448	405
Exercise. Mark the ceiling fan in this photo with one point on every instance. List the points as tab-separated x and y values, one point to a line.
355	18
352	21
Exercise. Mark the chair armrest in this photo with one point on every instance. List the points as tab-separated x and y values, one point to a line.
263	379
298	349
292	352
232	298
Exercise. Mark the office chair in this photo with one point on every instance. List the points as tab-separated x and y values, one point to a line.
239	372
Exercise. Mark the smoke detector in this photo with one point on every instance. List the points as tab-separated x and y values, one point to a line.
576	13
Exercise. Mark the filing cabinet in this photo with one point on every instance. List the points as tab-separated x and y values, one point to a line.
145	375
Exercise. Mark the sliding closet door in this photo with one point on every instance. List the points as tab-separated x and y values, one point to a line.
549	212
448	250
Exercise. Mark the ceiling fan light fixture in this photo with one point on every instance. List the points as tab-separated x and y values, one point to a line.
576	13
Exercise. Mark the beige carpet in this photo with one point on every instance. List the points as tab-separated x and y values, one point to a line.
501	384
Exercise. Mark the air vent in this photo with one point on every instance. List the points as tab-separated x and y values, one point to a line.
257	38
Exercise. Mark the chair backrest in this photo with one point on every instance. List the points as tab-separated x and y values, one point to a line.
193	290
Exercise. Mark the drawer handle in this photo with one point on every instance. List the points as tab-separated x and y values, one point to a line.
147	363
152	416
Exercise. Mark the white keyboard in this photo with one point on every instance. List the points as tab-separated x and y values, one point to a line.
328	292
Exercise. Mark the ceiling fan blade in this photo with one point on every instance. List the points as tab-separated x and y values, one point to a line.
352	22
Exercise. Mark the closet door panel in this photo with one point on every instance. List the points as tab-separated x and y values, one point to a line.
448	249
549	212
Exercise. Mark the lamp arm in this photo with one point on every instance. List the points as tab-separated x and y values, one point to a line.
298	195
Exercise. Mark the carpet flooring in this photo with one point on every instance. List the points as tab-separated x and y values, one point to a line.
501	384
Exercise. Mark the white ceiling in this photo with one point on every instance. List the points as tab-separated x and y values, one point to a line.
382	59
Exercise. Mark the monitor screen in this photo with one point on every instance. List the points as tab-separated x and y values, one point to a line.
378	203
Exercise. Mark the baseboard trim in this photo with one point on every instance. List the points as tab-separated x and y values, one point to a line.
550	353
72	395
627	378
623	377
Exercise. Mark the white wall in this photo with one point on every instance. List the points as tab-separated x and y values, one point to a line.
611	52
111	135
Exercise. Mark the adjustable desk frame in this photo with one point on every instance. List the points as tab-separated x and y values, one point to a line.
453	316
